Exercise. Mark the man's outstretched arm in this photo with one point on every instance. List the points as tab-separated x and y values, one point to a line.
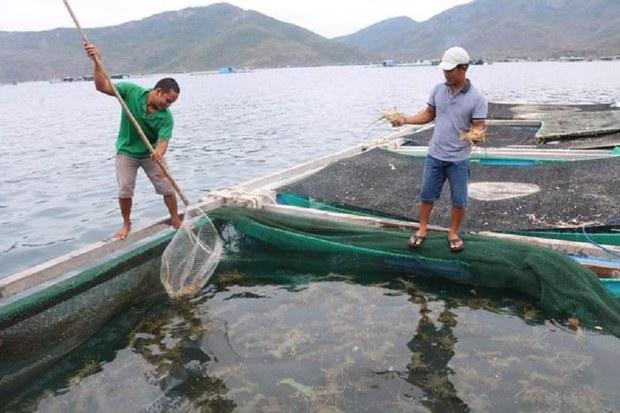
101	81
424	116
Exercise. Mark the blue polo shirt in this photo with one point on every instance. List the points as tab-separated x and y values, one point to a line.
454	114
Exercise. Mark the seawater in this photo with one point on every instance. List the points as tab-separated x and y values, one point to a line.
283	339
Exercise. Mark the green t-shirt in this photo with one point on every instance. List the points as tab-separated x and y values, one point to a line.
157	125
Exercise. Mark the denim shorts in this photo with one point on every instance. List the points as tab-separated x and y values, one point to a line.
127	169
435	174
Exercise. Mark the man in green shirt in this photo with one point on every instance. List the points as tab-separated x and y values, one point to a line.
150	108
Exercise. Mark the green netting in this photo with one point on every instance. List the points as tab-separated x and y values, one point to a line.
561	286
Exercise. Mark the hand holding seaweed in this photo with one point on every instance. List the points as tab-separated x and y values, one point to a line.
475	136
393	116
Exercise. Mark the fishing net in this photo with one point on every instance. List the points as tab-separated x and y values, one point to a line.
193	254
191	257
560	285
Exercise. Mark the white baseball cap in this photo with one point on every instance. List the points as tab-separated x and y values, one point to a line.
453	57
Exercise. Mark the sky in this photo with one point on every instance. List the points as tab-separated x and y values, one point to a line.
328	18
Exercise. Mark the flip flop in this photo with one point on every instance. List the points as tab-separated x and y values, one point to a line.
456	244
415	241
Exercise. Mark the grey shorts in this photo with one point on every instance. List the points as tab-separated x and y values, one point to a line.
127	170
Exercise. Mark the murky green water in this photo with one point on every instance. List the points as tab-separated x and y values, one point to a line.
284	340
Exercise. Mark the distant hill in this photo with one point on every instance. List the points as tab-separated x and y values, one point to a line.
192	39
385	38
503	29
203	38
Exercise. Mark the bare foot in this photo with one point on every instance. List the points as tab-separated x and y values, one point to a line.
124	231
176	222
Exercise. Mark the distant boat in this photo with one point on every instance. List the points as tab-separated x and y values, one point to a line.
389	63
227	69
87	78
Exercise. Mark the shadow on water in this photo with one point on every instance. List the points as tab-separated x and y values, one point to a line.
326	334
432	348
170	340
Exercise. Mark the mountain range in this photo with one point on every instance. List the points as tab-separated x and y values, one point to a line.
500	29
204	38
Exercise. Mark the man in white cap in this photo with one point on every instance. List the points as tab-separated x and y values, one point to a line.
457	107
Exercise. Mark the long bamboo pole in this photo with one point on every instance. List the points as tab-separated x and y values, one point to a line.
133	120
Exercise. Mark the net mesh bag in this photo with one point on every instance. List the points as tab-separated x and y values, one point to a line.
191	257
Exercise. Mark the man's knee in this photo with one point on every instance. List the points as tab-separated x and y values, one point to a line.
126	171
125	192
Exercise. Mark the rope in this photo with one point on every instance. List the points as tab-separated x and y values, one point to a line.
610	221
253	200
